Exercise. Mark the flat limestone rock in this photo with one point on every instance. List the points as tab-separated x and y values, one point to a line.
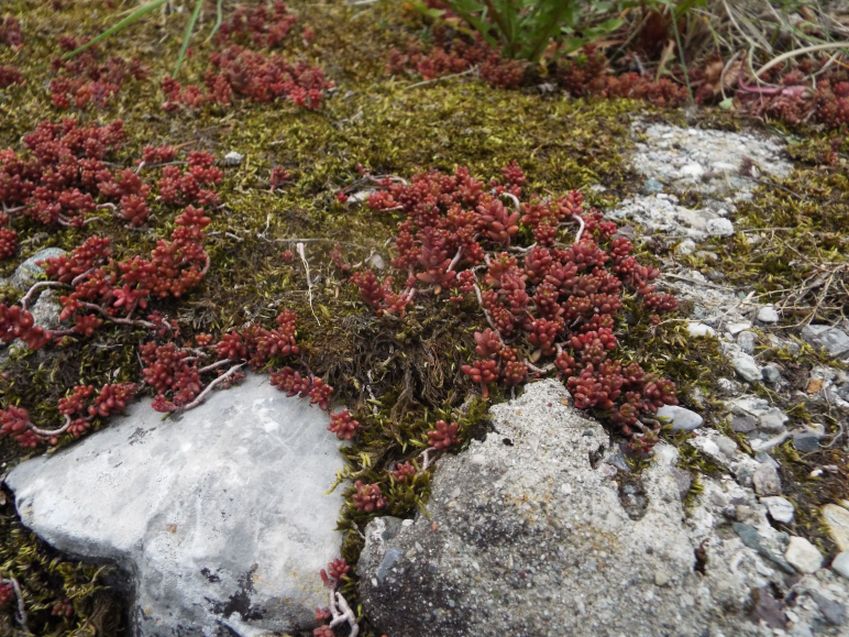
220	516
529	533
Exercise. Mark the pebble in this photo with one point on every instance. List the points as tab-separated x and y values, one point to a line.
652	186
746	367
687	246
780	509
841	564
834	612
768	314
736	328
682	419
746	340
719	227
697	330
803	555
233	158
832	340
766	480
837	520
771	374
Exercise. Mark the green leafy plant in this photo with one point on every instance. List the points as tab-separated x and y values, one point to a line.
524	28
140	13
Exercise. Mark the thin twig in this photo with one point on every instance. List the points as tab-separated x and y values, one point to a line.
202	396
468	71
302	253
27	299
21	614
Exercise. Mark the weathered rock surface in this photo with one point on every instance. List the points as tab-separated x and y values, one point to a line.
220	516
527	535
28	272
833	340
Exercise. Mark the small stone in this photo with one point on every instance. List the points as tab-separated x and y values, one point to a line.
692	170
746	367
807	441
698	330
834	612
747	340
719	227
233	158
743	423
831	339
652	186
29	271
687	246
768	314
837	520
780	509
771	374
841	564
803	555
766	480
682	419
736	328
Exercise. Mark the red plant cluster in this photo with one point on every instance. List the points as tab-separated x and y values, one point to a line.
80	408
335	571
7	593
450	55
792	96
368	497
105	289
551	277
10	32
16	322
344	425
259	27
443	435
88	79
9	75
58	179
240	72
8	238
590	75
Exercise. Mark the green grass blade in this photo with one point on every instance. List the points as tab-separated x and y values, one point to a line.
187	35
219	18
119	26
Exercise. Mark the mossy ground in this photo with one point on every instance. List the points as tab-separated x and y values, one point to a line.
399	375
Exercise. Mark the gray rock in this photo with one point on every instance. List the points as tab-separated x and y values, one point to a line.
682	419
807	441
771	373
780	509
832	340
45	311
719	227
836	519
530	538
841	564
222	509
766	480
748	410
737	327
768	314
29	272
747	340
652	186
803	555
746	367
233	158
834	612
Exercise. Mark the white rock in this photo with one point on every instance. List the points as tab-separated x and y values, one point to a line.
682	419
233	158
803	555
837	520
697	330
841	564
780	509
766	480
227	502
768	314
719	227
736	328
685	247
692	171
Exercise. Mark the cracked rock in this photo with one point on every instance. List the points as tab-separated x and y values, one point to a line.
803	555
